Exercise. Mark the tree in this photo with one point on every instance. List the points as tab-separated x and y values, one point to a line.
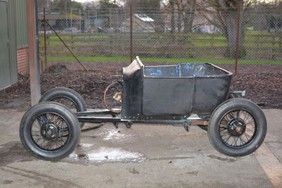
186	12
107	4
42	4
225	15
149	7
189	12
64	5
60	5
273	16
144	5
182	14
104	11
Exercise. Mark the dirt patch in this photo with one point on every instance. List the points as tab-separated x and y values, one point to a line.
263	86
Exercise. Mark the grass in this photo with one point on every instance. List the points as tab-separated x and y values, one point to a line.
86	45
252	39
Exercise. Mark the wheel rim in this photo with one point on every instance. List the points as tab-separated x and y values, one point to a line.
49	131
237	128
113	97
68	102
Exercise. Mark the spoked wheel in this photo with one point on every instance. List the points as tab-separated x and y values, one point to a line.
237	127
67	97
50	131
113	97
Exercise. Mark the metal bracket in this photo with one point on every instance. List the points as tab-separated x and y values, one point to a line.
187	125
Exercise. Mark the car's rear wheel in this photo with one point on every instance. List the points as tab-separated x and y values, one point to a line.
237	127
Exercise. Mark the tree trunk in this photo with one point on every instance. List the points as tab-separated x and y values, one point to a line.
231	24
228	21
172	21
188	18
179	13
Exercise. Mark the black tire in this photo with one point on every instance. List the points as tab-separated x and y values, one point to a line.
49	131
237	127
67	97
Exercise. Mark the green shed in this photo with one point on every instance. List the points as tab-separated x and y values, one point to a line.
13	40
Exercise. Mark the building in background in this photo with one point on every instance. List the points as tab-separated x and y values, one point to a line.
141	24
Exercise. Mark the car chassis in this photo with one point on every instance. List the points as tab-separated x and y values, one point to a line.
166	94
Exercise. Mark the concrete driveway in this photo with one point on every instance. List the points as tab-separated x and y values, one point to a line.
143	156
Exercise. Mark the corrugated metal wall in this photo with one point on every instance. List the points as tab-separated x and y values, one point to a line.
12	39
8	52
4	46
21	18
13	36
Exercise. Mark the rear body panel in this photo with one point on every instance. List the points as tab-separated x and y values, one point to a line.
173	92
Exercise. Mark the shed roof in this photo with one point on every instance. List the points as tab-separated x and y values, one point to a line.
144	17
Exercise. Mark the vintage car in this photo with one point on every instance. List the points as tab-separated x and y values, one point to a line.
167	94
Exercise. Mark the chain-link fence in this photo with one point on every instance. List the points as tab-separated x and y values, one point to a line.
168	35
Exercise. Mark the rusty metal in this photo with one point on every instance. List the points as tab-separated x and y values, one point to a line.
131	32
66	46
201	122
237	36
45	41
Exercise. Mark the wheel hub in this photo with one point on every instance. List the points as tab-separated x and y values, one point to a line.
49	131
236	127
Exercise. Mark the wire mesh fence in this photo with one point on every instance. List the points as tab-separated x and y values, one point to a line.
160	36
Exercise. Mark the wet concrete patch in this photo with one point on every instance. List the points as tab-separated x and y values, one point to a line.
13	152
107	148
111	134
86	153
116	135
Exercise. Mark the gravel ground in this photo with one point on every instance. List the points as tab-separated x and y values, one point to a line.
263	83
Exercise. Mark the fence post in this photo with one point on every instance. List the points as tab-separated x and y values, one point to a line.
45	41
273	48
237	36
111	44
212	40
72	41
172	16
131	32
280	41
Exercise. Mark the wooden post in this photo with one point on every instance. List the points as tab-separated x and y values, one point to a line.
131	32
34	71
238	36
45	42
